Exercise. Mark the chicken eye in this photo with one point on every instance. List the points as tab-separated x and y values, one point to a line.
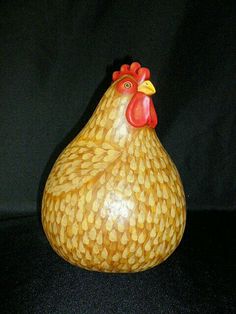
127	85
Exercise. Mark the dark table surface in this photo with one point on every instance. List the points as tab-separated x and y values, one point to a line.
198	278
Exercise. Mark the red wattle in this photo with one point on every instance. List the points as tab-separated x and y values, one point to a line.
153	119
141	111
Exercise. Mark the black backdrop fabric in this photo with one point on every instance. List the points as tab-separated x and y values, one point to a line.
56	61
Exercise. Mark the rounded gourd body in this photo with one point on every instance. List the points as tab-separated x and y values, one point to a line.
114	201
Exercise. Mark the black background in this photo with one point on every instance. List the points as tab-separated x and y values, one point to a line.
56	61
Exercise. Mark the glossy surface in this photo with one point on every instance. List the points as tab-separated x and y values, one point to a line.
114	201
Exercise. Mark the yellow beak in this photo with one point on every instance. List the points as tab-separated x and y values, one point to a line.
147	88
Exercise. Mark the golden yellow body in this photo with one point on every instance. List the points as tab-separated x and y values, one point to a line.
114	201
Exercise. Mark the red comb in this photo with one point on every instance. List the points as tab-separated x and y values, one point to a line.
139	74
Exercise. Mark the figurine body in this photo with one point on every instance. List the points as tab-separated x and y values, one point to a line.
114	201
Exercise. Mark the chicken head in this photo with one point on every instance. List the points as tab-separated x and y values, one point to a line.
134	80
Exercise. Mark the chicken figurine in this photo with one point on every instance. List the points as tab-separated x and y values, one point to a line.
114	201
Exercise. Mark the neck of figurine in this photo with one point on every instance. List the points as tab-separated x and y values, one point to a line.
109	124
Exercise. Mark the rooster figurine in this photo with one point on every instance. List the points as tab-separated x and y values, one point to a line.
114	201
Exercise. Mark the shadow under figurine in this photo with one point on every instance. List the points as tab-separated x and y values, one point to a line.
114	200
